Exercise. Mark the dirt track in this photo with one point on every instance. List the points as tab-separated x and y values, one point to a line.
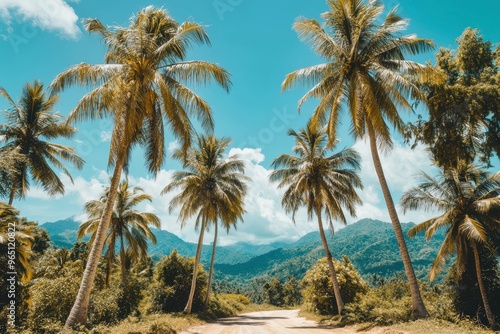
268	322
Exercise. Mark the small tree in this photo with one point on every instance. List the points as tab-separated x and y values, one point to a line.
318	292
171	284
291	292
274	292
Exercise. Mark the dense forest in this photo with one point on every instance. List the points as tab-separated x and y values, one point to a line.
118	264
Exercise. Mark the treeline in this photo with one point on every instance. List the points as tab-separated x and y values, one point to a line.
141	85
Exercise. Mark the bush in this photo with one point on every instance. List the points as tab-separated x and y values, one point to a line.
390	302
218	308
51	302
317	287
52	299
225	305
172	283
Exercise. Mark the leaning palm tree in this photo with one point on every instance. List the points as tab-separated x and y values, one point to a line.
128	227
11	225
140	85
30	124
324	184
468	196
366	71
212	190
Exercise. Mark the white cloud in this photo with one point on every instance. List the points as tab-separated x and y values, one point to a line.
265	220
51	15
173	145
401	165
105	136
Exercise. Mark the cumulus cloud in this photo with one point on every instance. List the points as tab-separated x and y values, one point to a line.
51	15
105	136
402	166
173	146
265	220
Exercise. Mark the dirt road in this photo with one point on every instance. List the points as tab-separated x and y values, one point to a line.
268	322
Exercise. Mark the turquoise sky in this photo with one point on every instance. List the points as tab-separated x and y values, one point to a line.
254	41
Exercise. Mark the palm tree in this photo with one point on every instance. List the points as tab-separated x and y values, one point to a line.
30	123
468	197
128	226
11	225
365	70
323	184
8	173
212	189
139	85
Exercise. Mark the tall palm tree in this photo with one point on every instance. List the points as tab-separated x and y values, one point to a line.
366	71
128	226
468	197
140	85
23	236
30	124
324	184
212	189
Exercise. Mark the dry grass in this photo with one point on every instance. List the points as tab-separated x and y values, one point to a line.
154	323
426	326
433	326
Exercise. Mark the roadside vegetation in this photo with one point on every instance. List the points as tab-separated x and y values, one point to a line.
110	284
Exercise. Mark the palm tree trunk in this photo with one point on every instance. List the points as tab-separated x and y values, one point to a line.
331	266
122	260
189	304
12	195
79	311
419	310
212	260
482	290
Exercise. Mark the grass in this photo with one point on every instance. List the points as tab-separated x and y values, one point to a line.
423	326
155	323
171	323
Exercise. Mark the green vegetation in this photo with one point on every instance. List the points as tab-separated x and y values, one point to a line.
212	189
154	278
366	71
140	91
323	184
29	122
317	291
128	227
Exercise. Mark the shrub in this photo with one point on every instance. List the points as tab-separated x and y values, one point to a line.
390	302
172	283
225	305
51	302
317	287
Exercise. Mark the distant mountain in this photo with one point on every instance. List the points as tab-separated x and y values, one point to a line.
370	244
63	233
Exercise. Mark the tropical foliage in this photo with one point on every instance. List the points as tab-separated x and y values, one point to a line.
141	87
321	183
463	120
171	287
30	124
212	189
129	230
366	71
470	201
318	293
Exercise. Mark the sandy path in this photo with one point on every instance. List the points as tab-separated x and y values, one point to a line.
268	322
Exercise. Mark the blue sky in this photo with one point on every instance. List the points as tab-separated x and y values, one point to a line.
254	41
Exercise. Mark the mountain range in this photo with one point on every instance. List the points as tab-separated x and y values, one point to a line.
370	245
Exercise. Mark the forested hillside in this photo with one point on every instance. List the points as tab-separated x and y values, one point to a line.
370	244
